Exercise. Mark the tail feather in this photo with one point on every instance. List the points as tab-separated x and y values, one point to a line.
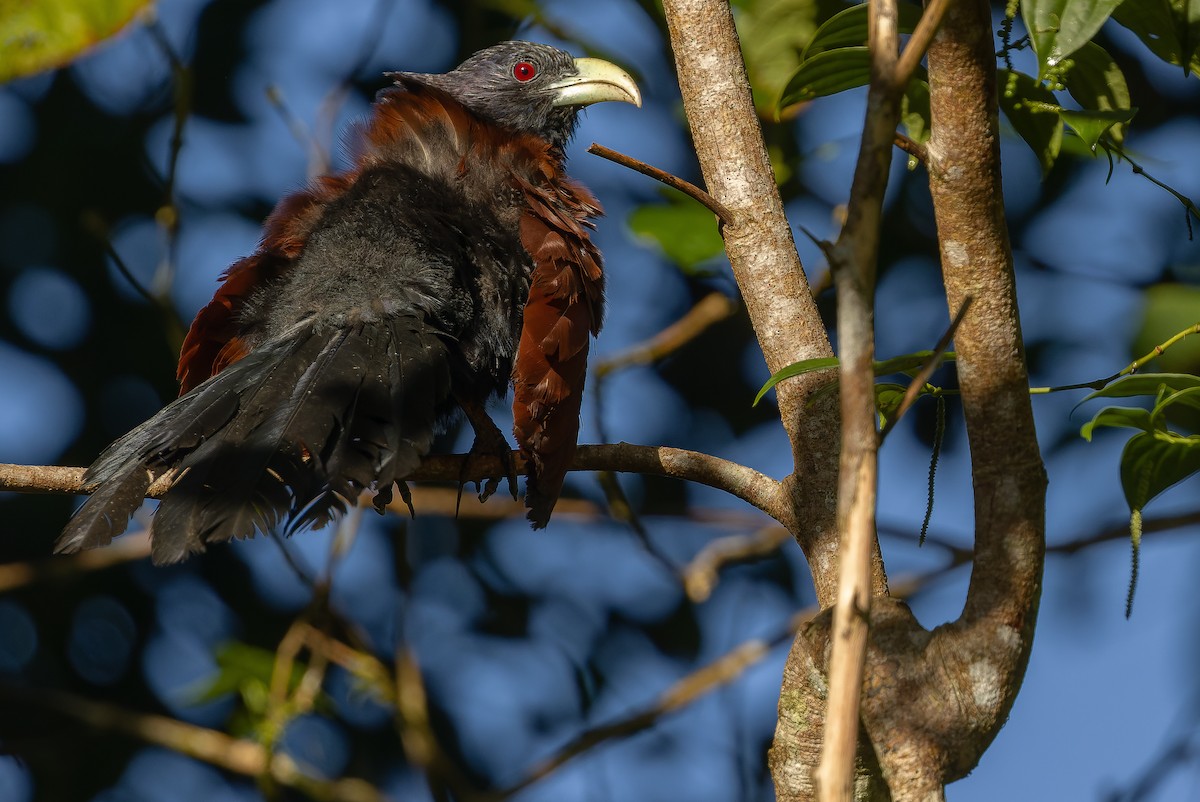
294	431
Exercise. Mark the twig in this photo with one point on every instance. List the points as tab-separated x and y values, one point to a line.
700	575
911	147
708	311
721	671
686	187
927	369
918	43
232	754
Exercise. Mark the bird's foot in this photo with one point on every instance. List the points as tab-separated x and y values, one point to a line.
489	443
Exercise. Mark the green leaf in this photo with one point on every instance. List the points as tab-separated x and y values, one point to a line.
905	363
908	363
1057	28
685	231
1091	125
1153	462
796	369
849	28
888	397
1186	398
43	34
827	74
1096	82
1149	384
773	35
1032	110
1126	417
914	110
1169	28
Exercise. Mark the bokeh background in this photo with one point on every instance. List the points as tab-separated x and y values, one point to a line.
110	236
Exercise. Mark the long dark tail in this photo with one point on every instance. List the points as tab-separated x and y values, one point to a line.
293	431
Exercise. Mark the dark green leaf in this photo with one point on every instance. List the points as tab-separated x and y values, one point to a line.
1152	462
1031	109
1058	28
1091	125
685	231
1096	82
36	36
849	28
1126	417
1187	398
827	74
1169	28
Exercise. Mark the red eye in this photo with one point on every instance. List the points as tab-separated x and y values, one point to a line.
524	71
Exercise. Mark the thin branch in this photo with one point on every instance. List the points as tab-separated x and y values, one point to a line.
675	182
918	43
701	574
854	269
708	311
909	146
216	748
927	369
721	671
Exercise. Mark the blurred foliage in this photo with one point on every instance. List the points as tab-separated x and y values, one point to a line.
36	36
685	231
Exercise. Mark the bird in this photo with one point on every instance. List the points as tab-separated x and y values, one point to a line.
451	259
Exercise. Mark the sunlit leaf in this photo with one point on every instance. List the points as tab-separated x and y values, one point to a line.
1032	110
796	369
1057	28
1091	125
888	397
914	110
685	231
36	36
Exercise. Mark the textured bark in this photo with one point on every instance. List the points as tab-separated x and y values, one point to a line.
737	172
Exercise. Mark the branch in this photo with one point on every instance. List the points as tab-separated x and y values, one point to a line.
673	181
853	262
746	483
213	747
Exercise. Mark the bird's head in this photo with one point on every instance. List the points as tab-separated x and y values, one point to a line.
532	88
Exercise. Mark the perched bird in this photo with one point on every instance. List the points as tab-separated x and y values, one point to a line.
452	258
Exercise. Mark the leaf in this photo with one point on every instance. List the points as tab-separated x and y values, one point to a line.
1169	28
1032	110
1153	462
1091	125
1146	384
685	231
905	363
914	110
41	35
773	35
908	363
827	74
1126	417
888	397
1093	78
1057	28
849	28
796	369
